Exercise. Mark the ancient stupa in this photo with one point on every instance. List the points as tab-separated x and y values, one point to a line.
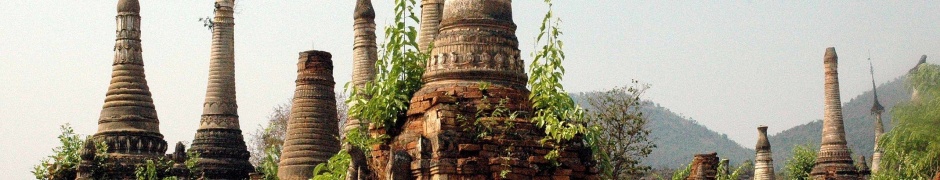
475	61
431	12
128	122
834	159
312	136
763	162
704	167
863	170
219	140
876	110
365	54
923	60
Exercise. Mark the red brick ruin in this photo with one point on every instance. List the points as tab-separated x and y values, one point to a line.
475	67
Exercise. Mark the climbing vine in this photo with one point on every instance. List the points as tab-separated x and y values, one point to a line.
555	111
384	101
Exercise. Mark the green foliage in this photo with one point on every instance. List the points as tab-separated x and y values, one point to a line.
268	165
682	173
148	171
157	169
398	72
725	174
911	148
625	139
801	164
63	164
555	111
383	101
333	169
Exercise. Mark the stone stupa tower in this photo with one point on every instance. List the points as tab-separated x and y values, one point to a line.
128	122
763	162
431	12
876	110
365	54
863	171
312	136
923	60
219	140
475	62
834	159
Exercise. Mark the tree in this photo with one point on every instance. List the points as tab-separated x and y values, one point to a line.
63	164
625	138
912	147
801	164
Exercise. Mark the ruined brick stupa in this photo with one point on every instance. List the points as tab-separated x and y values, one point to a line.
763	162
834	159
475	61
128	122
312	136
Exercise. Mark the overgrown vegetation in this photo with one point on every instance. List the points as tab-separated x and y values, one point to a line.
625	139
334	168
801	164
159	169
63	164
723	172
384	101
911	148
555	111
682	174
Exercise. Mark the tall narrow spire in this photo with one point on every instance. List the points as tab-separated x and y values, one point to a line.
364	47
923	60
128	122
764	162
219	140
431	14
364	56
834	159
876	110
312	136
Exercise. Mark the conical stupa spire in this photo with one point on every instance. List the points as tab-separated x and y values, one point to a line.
764	162
219	140
876	110
128	122
915	93
312	136
431	14
834	158
365	53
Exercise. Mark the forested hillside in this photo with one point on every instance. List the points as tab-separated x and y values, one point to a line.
678	138
859	124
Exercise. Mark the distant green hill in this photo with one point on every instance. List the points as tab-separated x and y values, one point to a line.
859	124
678	138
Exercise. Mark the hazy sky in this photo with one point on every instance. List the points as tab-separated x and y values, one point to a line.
729	65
